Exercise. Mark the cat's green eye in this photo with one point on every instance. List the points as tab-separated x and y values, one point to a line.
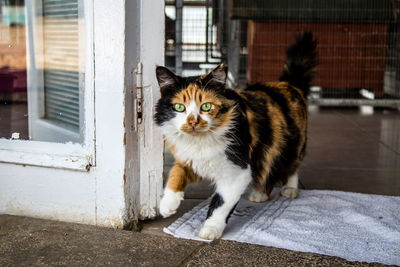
179	107
206	107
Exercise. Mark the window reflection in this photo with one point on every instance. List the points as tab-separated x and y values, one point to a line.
13	77
42	70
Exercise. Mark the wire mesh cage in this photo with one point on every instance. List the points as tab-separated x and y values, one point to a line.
358	44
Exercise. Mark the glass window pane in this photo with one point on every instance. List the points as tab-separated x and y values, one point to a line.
41	70
61	62
13	85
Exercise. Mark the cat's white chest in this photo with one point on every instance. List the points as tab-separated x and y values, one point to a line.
205	155
209	168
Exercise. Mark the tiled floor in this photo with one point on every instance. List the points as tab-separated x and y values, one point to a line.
348	150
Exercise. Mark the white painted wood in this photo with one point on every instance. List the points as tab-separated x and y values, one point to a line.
109	50
54	155
150	138
132	162
48	193
88	109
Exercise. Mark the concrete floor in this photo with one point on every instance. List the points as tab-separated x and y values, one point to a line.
34	242
349	149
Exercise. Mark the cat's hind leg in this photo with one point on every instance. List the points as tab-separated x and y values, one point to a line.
258	196
179	177
289	190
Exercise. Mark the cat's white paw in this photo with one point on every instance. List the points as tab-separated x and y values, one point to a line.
289	192
170	202
257	196
210	232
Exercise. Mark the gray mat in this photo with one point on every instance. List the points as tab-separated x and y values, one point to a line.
356	227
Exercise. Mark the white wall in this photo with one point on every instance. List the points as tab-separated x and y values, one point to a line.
47	193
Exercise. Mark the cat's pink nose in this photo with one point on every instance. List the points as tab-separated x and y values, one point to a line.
192	121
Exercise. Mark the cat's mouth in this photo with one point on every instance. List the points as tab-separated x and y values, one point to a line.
194	130
197	131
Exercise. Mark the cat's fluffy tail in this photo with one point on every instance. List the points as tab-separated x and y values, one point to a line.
299	69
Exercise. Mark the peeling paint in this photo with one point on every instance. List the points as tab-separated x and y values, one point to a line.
88	167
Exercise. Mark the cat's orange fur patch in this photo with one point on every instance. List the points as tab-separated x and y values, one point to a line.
180	176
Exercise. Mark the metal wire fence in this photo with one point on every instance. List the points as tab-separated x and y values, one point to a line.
358	44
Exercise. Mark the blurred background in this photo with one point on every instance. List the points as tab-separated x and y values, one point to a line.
358	43
354	127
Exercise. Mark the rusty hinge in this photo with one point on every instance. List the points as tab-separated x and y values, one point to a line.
139	112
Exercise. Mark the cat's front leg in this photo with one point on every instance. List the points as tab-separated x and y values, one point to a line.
228	192
179	177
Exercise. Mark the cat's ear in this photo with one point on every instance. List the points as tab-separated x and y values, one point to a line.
166	79
216	79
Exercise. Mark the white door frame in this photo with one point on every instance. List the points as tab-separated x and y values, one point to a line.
151	144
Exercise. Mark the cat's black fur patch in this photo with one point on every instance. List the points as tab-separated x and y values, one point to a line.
216	201
301	63
238	150
230	213
164	111
259	106
222	110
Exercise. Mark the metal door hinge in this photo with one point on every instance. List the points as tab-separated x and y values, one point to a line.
139	114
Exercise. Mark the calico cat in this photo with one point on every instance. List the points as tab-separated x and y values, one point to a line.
235	138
